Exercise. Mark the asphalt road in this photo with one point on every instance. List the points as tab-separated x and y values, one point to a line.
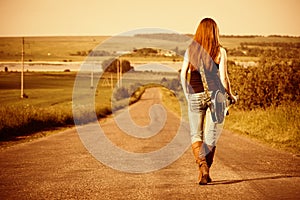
60	167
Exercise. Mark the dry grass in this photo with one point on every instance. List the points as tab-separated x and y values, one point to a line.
176	103
278	127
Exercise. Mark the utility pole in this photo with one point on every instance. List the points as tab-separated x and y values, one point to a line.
92	76
111	82
120	79
118	73
22	71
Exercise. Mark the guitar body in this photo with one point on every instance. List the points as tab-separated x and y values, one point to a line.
218	106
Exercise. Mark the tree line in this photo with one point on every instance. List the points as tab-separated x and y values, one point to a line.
276	50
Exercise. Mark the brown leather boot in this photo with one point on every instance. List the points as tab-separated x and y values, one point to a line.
209	160
203	168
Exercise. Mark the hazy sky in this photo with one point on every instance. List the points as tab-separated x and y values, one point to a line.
112	17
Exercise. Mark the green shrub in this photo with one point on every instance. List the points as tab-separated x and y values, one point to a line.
266	85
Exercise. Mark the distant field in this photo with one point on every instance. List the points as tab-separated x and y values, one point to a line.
76	48
234	42
47	48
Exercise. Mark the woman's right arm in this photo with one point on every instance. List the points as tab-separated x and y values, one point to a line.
224	74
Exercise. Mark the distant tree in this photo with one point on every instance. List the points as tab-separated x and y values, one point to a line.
6	69
146	51
176	50
126	66
163	80
83	53
175	84
98	53
112	64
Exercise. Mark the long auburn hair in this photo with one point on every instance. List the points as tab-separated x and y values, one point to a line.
205	45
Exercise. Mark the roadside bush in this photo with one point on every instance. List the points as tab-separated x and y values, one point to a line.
173	84
266	85
121	93
123	99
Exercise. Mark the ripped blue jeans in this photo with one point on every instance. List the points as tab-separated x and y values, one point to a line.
202	128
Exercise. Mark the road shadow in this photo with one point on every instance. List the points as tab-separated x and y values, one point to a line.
224	182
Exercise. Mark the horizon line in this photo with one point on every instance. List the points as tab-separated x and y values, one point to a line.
86	35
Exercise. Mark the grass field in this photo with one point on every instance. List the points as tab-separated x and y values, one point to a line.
43	88
49	102
47	48
276	126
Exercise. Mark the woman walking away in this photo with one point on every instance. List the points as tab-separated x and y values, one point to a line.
205	57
